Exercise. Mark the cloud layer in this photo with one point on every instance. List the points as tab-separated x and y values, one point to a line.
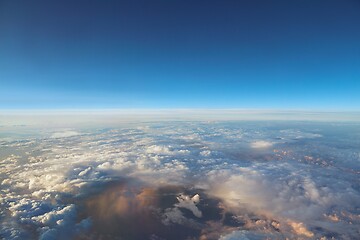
205	180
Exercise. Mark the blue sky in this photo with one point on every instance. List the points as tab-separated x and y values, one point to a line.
180	54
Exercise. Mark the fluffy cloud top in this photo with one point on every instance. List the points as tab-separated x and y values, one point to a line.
189	203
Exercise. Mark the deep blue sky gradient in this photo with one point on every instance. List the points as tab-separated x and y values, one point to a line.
180	54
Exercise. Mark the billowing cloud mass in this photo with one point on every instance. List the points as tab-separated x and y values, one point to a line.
182	180
190	203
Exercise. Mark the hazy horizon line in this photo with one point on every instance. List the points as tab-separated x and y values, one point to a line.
116	116
133	110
